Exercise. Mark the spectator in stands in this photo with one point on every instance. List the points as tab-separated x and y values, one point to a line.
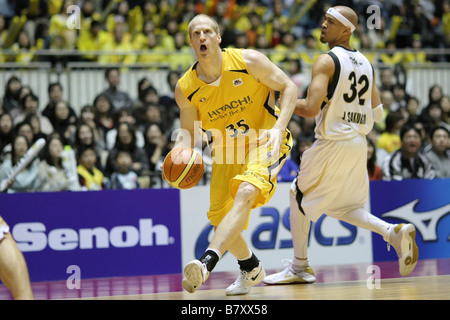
432	116
155	146
87	116
295	72
24	52
35	123
400	97
124	177
124	115
120	42
30	106
118	98
390	140
445	105
63	123
6	135
24	128
16	112
157	52
412	106
26	180
387	98
90	177
61	36
84	137
51	171
435	93
387	79
373	169
143	84
182	57
408	162
392	56
168	103
439	154
423	134
11	97
103	110
152	114
93	39
55	94
126	140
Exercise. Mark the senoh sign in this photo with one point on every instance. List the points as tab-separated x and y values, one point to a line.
33	236
105	233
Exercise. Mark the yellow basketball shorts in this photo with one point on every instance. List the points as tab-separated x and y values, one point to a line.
257	169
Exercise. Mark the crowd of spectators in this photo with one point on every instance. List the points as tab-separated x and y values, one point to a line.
27	26
120	139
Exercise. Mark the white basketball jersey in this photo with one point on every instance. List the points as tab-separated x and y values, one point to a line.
347	109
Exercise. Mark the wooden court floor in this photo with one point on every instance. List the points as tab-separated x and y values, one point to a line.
429	281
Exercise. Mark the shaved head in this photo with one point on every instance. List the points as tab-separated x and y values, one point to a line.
349	13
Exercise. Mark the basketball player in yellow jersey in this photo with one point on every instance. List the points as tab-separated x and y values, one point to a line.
229	94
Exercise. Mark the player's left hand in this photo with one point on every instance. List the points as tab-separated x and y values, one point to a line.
273	138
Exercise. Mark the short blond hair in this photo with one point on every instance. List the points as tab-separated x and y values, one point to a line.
215	25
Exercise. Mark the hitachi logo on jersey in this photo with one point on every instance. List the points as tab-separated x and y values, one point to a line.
230	106
354	117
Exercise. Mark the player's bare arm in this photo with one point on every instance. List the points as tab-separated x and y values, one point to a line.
263	70
188	117
376	100
322	75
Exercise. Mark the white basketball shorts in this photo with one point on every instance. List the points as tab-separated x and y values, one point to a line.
333	177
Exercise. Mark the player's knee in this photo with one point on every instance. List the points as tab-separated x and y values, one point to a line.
247	192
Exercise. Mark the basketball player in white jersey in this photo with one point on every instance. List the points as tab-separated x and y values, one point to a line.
333	176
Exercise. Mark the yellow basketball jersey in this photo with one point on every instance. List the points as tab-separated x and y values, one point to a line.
236	107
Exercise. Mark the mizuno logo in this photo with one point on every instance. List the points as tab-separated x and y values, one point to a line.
426	222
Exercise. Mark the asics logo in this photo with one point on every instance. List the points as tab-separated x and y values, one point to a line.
426	222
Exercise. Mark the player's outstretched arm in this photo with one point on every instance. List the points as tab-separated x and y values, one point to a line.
266	72
322	75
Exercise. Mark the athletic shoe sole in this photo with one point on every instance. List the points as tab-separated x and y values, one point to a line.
193	276
410	251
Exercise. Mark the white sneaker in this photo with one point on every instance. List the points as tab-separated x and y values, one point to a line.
195	274
289	276
403	238
246	281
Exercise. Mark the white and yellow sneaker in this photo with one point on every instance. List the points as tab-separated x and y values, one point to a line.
290	276
245	281
403	238
195	274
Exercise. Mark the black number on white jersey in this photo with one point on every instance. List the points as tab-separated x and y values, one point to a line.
351	95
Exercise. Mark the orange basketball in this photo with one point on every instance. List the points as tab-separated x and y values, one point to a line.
183	168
